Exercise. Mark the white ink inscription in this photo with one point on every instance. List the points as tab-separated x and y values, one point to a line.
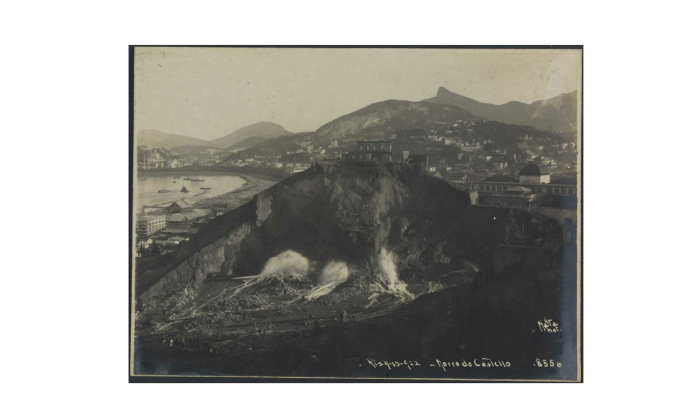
477	363
392	364
548	326
547	363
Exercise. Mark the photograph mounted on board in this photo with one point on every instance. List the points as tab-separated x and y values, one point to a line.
383	214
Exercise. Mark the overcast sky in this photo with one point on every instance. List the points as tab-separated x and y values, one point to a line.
210	92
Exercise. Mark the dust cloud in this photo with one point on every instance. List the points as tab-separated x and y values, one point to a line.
389	274
334	271
288	261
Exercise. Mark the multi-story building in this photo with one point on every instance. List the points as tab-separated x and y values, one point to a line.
148	224
489	186
372	150
514	197
524	193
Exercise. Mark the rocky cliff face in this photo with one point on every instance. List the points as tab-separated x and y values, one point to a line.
347	213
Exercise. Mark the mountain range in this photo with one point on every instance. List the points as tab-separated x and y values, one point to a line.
558	113
241	139
378	120
156	139
247	143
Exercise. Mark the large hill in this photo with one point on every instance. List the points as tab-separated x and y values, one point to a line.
556	114
385	118
260	130
157	139
271	280
246	143
358	210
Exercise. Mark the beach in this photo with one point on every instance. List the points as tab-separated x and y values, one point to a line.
213	190
237	197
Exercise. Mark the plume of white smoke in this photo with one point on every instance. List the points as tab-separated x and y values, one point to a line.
288	261
334	271
387	265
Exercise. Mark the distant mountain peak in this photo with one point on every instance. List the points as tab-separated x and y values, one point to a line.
264	124
442	91
558	113
156	139
262	129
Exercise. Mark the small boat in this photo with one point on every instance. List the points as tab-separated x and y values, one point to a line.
176	177
184	189
205	188
163	191
187	178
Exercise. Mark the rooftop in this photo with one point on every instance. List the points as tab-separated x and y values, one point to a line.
519	189
499	178
534	170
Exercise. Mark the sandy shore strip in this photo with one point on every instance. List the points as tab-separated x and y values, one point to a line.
252	186
237	197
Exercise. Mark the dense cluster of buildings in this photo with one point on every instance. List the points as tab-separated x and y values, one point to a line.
535	192
292	157
459	152
463	152
535	173
533	184
532	173
533	189
382	151
161	229
157	159
146	225
290	167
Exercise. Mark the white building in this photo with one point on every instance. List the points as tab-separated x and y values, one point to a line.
149	224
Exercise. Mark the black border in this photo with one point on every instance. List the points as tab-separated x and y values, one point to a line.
238	380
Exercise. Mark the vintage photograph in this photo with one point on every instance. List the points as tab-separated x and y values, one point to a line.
315	214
